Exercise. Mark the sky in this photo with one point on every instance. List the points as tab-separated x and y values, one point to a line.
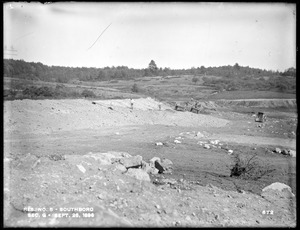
174	35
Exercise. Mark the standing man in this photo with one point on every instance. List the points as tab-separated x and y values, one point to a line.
131	103
159	105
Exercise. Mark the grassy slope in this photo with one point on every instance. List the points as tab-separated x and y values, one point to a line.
169	89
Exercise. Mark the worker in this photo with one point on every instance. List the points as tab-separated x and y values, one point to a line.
131	103
159	105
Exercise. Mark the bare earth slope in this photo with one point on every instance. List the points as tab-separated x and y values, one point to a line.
44	116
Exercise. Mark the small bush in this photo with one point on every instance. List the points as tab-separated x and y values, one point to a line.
249	168
135	88
88	93
195	79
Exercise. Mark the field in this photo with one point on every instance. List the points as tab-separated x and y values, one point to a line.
42	135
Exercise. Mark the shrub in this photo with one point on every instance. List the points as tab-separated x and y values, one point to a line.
135	88
88	93
249	168
195	79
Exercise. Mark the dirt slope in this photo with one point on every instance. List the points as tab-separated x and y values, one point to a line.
44	116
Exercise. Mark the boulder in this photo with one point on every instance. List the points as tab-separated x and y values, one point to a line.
278	187
177	142
158	143
132	162
285	152
159	167
278	150
167	164
292	153
139	174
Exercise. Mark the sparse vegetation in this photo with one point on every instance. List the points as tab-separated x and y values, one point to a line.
249	168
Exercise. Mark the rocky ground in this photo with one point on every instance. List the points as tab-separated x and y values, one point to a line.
91	163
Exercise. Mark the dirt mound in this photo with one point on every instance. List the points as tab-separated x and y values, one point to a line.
46	116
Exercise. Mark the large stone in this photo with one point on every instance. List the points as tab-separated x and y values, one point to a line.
132	162
278	150
285	152
292	153
139	174
167	164
277	186
158	166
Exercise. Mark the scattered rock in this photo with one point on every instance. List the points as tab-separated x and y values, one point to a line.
177	142
201	142
206	146
56	157
199	135
138	174
81	168
169	181
215	142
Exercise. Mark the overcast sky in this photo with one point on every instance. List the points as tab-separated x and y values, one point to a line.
174	35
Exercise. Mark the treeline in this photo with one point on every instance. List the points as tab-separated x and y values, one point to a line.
39	71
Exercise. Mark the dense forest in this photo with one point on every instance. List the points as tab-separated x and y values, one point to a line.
38	71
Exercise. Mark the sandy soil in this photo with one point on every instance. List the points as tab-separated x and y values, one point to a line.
205	194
